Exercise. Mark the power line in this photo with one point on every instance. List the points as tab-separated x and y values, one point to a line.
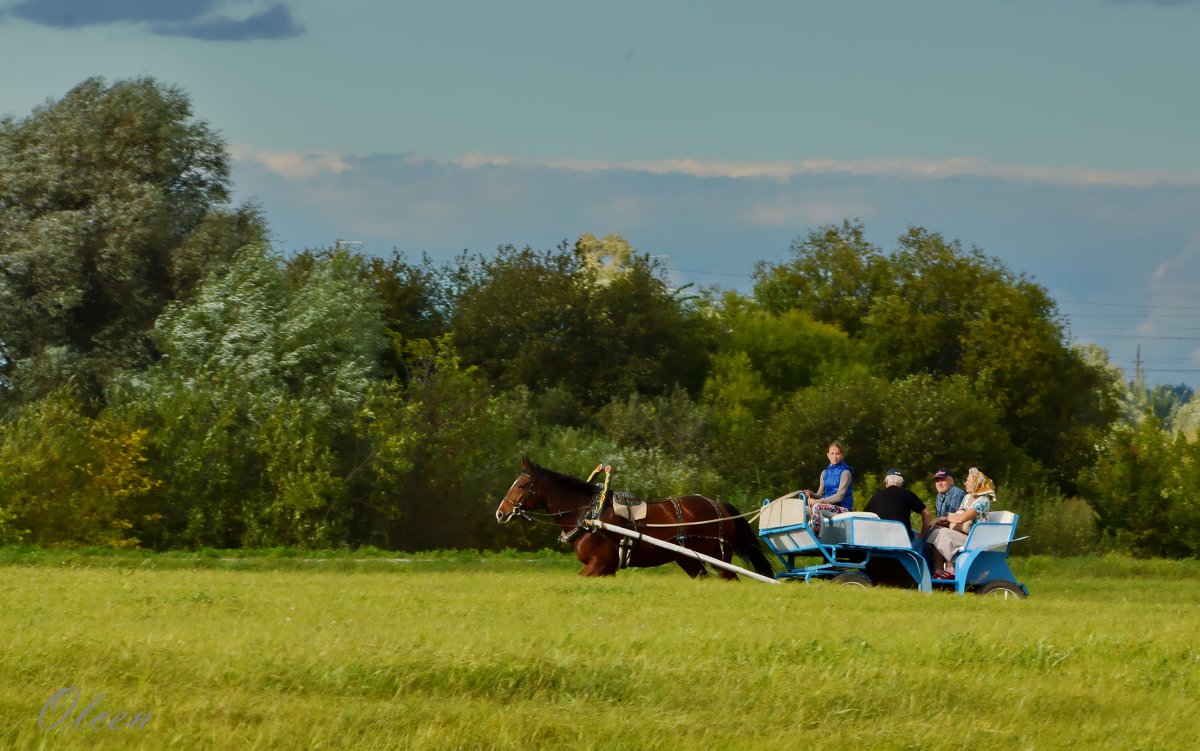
1130	305
1141	337
710	273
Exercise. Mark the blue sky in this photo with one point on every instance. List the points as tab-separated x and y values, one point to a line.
1059	137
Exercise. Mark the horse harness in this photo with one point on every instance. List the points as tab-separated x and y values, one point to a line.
625	544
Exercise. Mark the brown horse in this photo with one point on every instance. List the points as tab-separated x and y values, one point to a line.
692	521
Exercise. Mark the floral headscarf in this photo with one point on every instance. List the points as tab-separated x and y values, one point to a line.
982	483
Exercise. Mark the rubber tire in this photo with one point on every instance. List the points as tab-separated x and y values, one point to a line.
1002	589
852	579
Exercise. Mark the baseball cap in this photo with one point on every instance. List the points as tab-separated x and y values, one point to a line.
893	471
942	472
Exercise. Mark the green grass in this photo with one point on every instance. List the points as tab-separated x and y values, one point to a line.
514	651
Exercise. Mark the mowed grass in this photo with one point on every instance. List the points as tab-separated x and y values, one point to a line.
505	653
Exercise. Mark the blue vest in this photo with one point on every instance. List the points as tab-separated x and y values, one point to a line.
832	477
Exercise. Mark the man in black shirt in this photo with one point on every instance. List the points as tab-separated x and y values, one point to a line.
898	503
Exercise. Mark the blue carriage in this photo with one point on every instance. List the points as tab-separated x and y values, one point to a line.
860	548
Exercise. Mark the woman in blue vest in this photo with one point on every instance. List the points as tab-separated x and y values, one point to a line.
835	491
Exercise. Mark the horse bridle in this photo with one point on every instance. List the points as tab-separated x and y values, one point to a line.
518	508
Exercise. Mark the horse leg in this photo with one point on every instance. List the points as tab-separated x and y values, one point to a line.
721	555
597	559
725	552
726	574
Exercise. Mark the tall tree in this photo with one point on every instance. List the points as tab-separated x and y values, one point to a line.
546	321
113	202
834	274
254	411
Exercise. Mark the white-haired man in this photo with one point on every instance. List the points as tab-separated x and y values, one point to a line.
898	503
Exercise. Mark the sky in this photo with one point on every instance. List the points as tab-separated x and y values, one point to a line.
1058	137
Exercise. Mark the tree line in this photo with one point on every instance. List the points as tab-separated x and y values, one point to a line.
168	380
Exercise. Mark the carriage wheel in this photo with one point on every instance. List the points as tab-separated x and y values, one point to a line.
853	579
1002	590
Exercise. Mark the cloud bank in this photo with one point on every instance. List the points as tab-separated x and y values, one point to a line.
196	19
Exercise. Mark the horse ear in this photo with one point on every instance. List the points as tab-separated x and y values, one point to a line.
528	465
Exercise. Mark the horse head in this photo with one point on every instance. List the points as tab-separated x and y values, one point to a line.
521	496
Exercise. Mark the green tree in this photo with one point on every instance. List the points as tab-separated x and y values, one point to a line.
254	409
790	350
71	479
543	321
1143	490
929	422
933	307
461	438
834	274
413	297
112	204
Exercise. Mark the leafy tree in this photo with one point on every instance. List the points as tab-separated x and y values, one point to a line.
790	349
1143	490
545	322
70	479
787	449
929	423
919	320
648	338
112	204
738	402
1187	420
254	409
522	319
933	307
674	424
413	298
461	438
834	274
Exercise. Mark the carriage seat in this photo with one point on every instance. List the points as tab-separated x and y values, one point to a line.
865	529
786	511
994	534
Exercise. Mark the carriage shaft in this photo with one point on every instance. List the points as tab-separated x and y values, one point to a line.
679	549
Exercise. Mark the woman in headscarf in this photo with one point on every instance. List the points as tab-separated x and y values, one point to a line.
951	534
835	491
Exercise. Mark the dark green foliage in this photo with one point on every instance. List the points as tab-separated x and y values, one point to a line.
462	445
933	308
547	322
835	275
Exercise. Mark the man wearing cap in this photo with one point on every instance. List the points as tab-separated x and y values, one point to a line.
898	503
949	495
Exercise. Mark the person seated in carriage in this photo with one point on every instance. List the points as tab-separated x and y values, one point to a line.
835	489
951	533
898	503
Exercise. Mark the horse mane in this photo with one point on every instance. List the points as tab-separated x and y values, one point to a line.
572	483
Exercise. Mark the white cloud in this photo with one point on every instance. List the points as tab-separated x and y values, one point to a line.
1179	275
304	165
893	167
291	164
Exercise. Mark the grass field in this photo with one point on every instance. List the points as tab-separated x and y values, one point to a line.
457	652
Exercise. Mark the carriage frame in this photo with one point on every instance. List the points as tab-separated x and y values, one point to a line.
861	549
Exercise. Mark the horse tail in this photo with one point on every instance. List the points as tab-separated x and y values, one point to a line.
747	544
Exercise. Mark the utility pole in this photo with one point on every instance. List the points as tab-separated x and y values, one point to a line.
1138	376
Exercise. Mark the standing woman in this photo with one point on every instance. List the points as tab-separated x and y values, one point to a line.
951	533
835	490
